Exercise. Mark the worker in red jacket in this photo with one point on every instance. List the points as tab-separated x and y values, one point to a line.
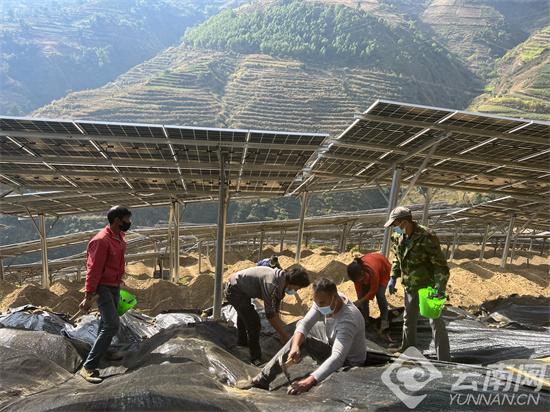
105	267
370	275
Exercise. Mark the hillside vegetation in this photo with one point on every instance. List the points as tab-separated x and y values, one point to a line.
49	48
523	83
287	65
475	31
212	88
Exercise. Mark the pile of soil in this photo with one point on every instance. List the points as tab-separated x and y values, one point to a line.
471	282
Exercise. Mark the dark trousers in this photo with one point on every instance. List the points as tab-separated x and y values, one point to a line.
248	320
109	323
439	330
380	300
315	345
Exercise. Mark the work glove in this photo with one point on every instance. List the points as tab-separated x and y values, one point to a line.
391	286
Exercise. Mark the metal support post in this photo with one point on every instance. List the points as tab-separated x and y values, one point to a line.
507	242
426	211
304	200
199	247
455	242
175	275
261	247
281	246
483	243
1	269
394	191
513	249
44	246
223	201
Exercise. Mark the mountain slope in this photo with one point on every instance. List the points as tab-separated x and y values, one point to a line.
475	30
522	87
49	48
284	65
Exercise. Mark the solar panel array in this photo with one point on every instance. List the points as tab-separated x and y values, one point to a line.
92	165
528	213
469	151
146	161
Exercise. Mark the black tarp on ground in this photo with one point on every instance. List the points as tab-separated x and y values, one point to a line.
181	369
23	373
44	345
31	317
519	311
474	341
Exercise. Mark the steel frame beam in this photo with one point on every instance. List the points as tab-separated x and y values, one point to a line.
304	201
394	193
507	241
44	247
223	201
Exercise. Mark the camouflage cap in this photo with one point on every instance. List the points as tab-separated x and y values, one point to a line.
400	212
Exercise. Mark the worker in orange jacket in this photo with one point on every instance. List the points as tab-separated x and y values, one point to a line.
370	274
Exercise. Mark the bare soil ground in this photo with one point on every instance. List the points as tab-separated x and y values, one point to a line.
471	283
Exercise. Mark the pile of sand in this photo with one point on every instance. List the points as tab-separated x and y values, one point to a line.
471	282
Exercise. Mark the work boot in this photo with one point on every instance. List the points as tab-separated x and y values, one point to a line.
91	375
256	362
257	382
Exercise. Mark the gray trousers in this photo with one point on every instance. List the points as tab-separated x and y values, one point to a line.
315	345
109	323
439	331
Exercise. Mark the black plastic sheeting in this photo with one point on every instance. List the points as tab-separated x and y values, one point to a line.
192	368
31	317
44	345
185	364
522	312
475	341
23	373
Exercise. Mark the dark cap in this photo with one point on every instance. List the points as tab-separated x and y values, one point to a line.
400	212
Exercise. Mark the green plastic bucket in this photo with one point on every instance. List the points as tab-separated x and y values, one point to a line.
430	306
126	302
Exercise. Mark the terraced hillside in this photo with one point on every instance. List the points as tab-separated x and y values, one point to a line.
475	30
522	87
212	88
280	65
49	48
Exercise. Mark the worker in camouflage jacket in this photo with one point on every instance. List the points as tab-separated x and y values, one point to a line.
419	262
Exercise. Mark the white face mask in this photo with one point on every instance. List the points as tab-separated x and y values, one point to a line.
398	230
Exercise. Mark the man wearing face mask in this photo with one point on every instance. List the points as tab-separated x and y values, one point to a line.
270	285
105	267
420	263
332	333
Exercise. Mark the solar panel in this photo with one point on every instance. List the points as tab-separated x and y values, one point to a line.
439	148
167	161
528	213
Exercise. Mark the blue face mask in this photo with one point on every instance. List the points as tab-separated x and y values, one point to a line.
325	310
398	230
290	292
